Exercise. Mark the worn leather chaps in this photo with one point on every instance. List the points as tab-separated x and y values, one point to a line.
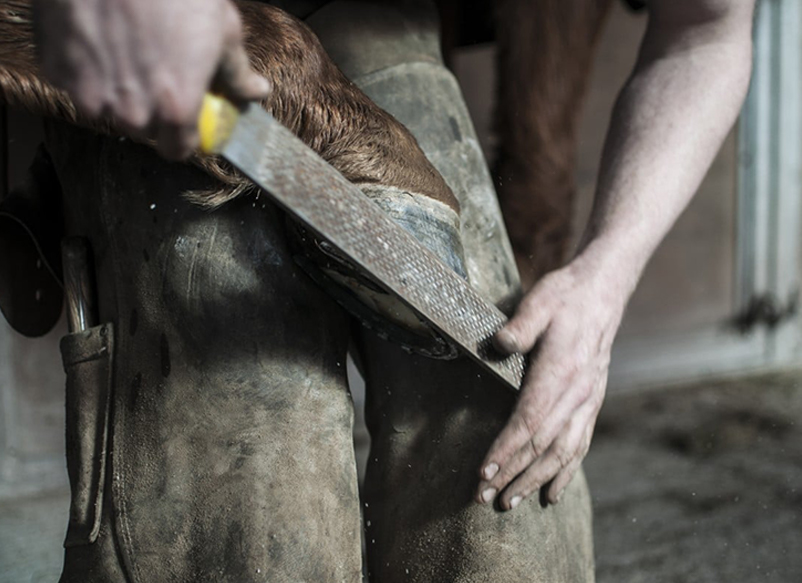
431	422
229	453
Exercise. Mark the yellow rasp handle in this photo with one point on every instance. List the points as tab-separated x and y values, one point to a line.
216	122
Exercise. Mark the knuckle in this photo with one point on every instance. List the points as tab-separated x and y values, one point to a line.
133	114
530	306
89	98
563	455
89	106
547	285
528	421
516	323
173	113
88	89
583	392
504	477
535	448
175	105
535	297
527	332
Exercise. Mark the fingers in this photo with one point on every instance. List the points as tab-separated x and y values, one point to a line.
509	471
176	115
528	469
516	435
85	85
89	94
565	475
549	431
504	474
164	109
548	399
235	78
146	68
565	455
133	109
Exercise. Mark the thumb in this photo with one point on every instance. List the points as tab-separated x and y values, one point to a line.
236	79
520	333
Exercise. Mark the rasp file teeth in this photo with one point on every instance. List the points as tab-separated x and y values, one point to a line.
319	197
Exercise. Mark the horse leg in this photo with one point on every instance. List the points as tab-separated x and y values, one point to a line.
545	53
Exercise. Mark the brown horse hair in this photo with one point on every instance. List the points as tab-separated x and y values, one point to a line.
545	53
310	96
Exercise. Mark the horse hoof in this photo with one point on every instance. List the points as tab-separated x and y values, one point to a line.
434	224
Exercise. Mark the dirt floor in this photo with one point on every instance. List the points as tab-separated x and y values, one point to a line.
700	484
690	485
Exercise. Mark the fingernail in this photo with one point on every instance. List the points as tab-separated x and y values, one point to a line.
489	494
506	340
559	496
490	471
515	501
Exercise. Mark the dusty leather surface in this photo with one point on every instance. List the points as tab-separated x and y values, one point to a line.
88	363
392	52
431	422
230	442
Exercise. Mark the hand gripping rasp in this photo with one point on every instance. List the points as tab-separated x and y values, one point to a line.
321	199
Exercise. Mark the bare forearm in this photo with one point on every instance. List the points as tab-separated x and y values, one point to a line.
670	120
668	123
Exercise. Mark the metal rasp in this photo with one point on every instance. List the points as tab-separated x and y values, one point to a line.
322	200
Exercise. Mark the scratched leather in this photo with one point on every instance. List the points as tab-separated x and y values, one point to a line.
231	455
230	445
431	422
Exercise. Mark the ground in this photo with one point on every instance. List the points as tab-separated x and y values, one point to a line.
700	484
690	484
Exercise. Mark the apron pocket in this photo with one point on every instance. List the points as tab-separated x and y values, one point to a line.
87	358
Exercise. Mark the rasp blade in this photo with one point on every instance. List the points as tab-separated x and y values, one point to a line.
318	196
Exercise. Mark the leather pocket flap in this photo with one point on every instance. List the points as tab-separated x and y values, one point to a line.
87	358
